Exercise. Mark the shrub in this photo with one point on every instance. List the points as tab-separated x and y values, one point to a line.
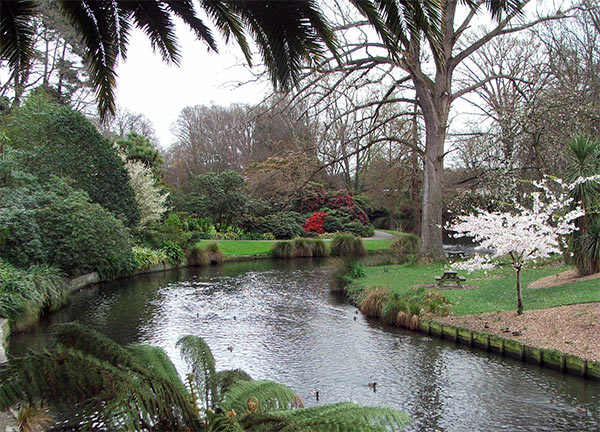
173	252
230	236
315	223
283	249
268	236
358	229
198	256
147	258
404	246
61	142
347	245
333	224
285	225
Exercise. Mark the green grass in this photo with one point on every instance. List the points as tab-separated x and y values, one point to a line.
495	290
235	248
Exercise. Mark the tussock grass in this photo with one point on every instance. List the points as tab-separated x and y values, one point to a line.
347	245
319	248
372	304
198	256
284	249
303	247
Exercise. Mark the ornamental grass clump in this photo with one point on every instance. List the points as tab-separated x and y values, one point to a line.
303	247
372	304
405	246
319	248
198	256
347	245
214	253
284	249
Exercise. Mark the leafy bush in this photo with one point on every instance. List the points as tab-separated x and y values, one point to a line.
60	226
147	258
173	252
268	236
30	292
284	249
315	223
285	225
333	224
358	229
230	236
404	246
61	142
172	230
347	245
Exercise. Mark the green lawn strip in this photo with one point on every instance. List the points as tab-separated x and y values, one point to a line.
496	290
263	247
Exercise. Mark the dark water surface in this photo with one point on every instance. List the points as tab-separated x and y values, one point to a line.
284	324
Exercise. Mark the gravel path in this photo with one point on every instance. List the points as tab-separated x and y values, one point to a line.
379	235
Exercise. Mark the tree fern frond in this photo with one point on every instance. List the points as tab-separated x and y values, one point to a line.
156	360
270	395
225	379
16	34
88	341
198	356
340	417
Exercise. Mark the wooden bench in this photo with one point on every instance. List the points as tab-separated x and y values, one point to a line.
449	277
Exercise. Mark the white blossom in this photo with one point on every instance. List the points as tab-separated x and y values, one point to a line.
151	201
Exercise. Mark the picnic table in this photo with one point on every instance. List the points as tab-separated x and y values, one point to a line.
450	277
453	255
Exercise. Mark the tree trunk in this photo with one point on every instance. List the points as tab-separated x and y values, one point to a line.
519	299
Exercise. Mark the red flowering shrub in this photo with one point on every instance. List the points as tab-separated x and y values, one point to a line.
312	198
315	223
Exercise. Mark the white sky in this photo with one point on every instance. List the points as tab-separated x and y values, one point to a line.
149	86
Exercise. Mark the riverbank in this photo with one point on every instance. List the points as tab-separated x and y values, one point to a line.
562	319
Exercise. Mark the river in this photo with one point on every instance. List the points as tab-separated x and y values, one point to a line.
277	320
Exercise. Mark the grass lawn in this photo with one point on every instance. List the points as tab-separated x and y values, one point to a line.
263	247
495	291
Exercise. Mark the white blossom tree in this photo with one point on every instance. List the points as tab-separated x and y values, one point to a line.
529	233
151	201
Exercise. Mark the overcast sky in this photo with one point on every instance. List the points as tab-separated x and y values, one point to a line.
149	86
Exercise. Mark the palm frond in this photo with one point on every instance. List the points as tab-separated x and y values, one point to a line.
198	356
154	19
340	417
16	34
270	396
184	9
96	22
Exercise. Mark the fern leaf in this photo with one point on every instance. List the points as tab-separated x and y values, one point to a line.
271	396
199	358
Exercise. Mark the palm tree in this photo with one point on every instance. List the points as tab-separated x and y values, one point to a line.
287	33
137	388
585	242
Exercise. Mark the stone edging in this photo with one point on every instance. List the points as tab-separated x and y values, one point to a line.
488	342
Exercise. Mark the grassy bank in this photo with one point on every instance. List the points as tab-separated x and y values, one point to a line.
235	248
495	289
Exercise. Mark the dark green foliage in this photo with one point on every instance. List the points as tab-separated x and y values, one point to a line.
172	230
138	147
271	396
339	417
347	245
284	225
222	197
62	142
346	271
30	292
333	224
284	249
227	378
173	253
137	388
359	229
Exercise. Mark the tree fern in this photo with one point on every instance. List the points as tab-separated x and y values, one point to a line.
340	417
270	395
199	358
157	361
224	380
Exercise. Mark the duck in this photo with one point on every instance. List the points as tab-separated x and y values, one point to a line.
373	386
230	348
316	394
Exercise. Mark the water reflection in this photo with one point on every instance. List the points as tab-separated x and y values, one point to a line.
284	324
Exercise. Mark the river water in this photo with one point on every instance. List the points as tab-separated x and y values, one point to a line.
277	320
